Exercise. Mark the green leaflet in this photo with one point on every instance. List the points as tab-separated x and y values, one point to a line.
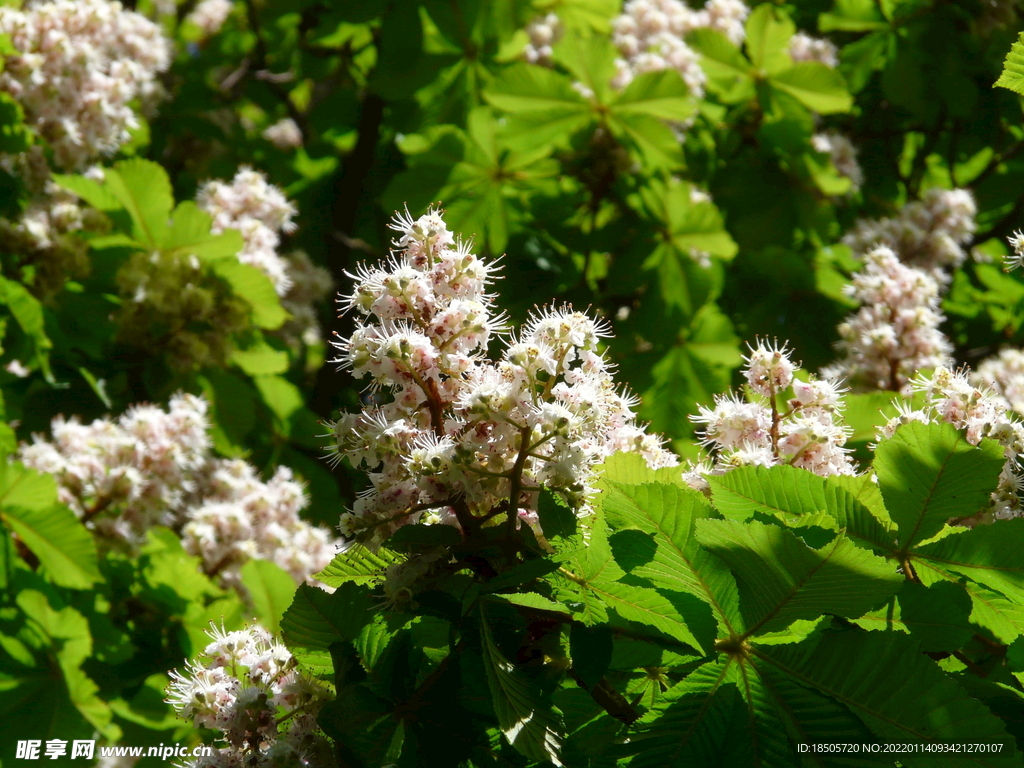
271	590
357	564
768	35
782	580
694	724
29	507
669	514
987	554
787	492
1012	76
817	87
856	669
316	620
929	473
527	720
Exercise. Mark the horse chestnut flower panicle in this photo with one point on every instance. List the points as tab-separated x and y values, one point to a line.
896	331
78	68
154	467
805	431
461	438
246	685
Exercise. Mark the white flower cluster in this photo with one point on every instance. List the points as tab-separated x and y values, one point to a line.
154	467
78	67
806	432
929	233
246	685
952	398
843	155
284	134
649	36
544	32
1004	373
460	439
896	332
210	15
240	518
260	211
803	47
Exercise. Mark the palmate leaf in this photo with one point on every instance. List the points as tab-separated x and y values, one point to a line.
1012	76
669	515
929	474
691	373
782	580
528	721
857	669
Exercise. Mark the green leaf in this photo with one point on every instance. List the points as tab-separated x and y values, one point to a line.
1012	76
315	620
91	191
255	287
69	643
929	473
661	94
144	190
680	615
816	86
541	101
782	580
29	315
189	235
857	669
768	34
591	60
730	75
990	611
653	143
260	359
938	617
530	600
529	722
694	722
357	564
853	16
271	590
787	492
630	468
556	519
988	554
28	506
669	514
